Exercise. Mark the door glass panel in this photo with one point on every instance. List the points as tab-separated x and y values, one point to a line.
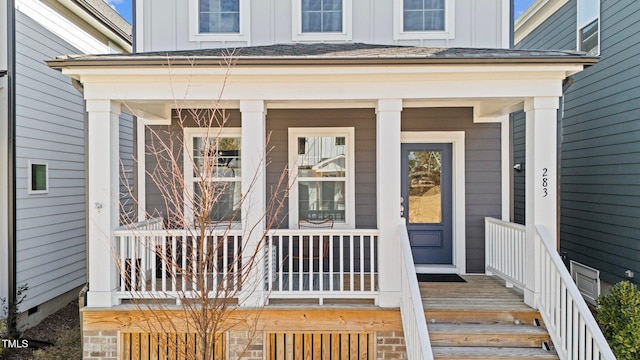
425	197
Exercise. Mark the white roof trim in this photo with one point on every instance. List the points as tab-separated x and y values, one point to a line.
535	15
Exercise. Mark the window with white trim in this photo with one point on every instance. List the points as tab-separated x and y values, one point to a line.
212	174
219	20
321	163
319	20
424	19
589	26
38	177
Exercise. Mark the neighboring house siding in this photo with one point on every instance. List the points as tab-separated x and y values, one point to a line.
482	164
49	127
165	24
600	151
364	122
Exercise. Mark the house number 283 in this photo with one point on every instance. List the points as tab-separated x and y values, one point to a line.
545	182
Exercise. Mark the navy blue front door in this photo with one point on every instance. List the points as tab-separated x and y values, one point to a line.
427	190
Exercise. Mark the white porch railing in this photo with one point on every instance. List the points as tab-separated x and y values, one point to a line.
321	263
504	250
414	323
574	331
571	326
160	264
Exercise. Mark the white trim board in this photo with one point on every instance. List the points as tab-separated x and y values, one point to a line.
457	140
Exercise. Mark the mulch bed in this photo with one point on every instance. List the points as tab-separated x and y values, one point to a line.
48	331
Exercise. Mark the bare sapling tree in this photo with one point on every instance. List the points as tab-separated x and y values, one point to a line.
191	263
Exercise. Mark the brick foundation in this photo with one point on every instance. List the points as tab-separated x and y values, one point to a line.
100	345
390	345
246	345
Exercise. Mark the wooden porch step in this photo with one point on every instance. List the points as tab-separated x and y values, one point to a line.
502	353
487	335
482	316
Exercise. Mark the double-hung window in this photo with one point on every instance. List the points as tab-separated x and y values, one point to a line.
319	20
589	26
212	174
424	19
219	20
321	163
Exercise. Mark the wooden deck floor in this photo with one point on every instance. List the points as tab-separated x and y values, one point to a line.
479	292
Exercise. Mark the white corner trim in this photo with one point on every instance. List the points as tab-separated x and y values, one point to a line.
505	167
449	24
457	139
245	25
296	25
350	198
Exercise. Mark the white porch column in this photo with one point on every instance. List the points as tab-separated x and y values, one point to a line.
388	198
541	184
254	198
103	199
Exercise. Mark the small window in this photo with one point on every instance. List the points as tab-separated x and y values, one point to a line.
219	20
322	175
321	16
424	19
423	15
38	177
321	20
219	16
589	26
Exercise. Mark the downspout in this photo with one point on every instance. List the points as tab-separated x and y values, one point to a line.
11	161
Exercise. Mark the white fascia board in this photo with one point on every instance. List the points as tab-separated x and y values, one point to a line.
534	16
374	70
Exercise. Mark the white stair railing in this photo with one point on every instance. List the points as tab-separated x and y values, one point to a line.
571	326
414	323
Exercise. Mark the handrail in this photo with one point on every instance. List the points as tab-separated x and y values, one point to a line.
149	224
414	323
569	321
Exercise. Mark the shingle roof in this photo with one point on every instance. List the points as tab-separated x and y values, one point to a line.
351	52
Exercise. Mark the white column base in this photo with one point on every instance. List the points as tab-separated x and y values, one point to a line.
101	299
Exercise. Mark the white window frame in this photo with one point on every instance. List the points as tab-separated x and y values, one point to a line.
299	36
350	198
189	134
30	190
245	25
580	26
447	33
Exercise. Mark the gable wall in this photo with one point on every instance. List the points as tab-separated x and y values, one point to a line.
600	151
478	23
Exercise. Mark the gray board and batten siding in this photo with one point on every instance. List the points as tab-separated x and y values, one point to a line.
50	228
600	141
482	141
51	128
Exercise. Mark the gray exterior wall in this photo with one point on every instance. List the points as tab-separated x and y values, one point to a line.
482	165
128	208
364	121
49	127
518	135
600	151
